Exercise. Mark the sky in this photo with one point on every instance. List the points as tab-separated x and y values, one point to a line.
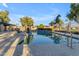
42	13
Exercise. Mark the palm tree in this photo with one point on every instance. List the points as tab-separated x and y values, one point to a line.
51	23
75	11
4	17
60	24
58	21
73	14
70	18
26	21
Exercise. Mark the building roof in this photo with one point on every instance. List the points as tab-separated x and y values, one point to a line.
7	24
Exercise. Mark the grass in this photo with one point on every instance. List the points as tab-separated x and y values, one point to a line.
25	40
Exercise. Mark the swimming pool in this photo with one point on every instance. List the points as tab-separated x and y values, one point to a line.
42	45
54	39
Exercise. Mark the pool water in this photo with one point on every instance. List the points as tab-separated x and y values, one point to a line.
55	45
54	39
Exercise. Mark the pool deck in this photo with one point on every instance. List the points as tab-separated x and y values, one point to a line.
67	34
9	45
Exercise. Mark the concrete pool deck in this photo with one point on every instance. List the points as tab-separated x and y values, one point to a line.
9	45
67	34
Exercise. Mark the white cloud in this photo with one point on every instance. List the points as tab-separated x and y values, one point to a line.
5	5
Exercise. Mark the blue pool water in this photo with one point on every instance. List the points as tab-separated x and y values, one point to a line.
42	45
54	39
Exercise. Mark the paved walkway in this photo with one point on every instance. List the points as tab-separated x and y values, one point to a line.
9	45
25	51
12	48
4	35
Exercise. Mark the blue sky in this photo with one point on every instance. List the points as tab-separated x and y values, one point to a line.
40	12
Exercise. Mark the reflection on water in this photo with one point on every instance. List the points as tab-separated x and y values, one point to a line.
28	39
56	38
69	41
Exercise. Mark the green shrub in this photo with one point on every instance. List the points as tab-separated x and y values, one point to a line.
41	26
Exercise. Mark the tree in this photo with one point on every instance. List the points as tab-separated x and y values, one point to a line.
41	26
70	18
58	21
73	14
74	10
51	23
4	17
26	21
